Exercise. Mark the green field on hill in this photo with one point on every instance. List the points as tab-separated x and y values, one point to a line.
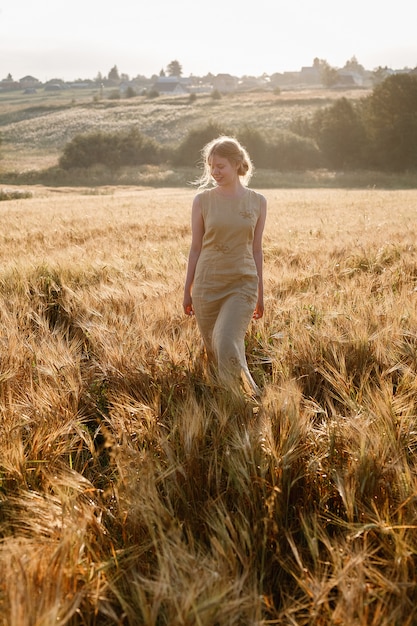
34	128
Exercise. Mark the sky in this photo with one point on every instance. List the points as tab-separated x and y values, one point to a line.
73	39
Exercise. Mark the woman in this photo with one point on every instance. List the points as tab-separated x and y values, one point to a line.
224	283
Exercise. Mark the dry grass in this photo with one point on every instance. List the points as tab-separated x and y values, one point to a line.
133	492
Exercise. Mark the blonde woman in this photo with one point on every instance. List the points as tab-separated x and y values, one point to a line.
224	282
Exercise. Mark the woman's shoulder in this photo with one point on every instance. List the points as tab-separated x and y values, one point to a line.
201	201
259	197
203	193
203	196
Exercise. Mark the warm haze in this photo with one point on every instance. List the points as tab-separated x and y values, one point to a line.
79	39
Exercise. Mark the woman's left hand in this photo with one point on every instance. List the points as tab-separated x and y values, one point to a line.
259	311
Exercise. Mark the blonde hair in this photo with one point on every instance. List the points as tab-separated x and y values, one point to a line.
229	148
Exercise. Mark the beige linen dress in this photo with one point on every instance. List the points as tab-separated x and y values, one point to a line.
225	287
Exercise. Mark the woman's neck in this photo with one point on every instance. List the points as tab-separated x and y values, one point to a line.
234	190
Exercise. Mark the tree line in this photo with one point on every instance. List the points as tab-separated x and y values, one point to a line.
375	132
379	131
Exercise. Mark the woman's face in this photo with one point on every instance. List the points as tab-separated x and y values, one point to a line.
223	172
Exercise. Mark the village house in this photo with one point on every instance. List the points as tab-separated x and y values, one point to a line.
170	85
29	82
310	75
8	84
347	78
225	83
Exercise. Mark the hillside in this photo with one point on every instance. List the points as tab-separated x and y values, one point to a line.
34	128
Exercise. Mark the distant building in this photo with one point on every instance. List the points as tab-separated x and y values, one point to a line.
310	75
200	88
225	83
349	79
288	79
251	83
8	84
29	82
170	85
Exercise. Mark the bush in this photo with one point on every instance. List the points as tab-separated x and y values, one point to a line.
255	144
152	93
292	152
340	135
113	150
14	194
130	93
189	151
289	151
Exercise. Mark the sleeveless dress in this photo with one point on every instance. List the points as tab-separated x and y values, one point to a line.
225	287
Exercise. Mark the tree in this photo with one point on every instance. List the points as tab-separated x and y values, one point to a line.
354	66
380	74
328	74
114	74
390	115
174	69
340	134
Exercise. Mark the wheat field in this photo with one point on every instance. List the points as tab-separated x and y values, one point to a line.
133	491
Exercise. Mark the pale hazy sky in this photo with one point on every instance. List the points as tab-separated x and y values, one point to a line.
73	39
